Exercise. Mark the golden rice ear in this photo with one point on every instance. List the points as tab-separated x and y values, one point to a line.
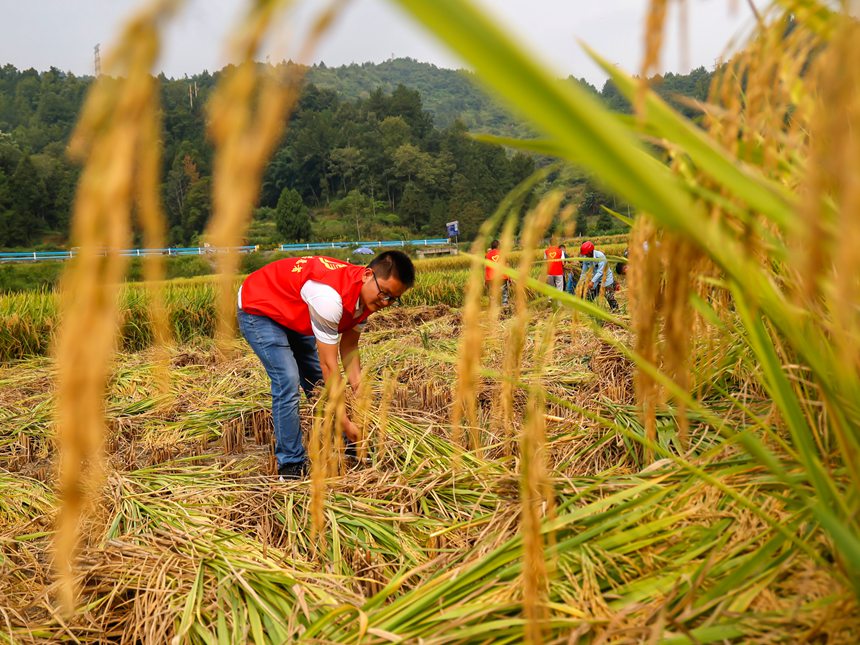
152	220
469	355
533	229
115	140
654	25
248	113
644	302
362	404
827	252
537	500
244	138
678	319
500	411
319	455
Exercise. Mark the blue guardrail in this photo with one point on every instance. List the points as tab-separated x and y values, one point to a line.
315	246
37	256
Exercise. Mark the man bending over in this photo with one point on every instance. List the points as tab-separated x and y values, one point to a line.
296	314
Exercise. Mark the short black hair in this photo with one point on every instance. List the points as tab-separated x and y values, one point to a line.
394	264
494	244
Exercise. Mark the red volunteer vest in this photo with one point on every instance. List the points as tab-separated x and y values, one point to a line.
492	254
275	291
555	266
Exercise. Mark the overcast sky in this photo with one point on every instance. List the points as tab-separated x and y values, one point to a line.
62	33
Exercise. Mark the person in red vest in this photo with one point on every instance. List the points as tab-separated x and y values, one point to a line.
493	255
296	314
555	266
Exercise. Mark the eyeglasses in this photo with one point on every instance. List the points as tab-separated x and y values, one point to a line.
384	295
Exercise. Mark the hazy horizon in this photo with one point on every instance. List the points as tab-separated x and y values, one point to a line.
61	34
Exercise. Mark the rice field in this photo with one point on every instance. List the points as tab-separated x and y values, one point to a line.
192	538
686	471
29	320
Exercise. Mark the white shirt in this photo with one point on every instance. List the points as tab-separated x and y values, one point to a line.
326	309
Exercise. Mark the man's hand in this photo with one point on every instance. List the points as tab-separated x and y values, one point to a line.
350	429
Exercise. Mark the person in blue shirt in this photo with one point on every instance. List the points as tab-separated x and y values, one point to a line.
599	274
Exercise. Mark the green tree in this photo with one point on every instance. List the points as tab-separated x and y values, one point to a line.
591	202
196	208
29	203
5	212
414	206
580	228
360	209
291	216
59	179
437	219
605	222
470	215
182	175
395	132
344	163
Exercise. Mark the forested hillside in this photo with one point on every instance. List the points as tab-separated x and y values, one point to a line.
449	95
373	150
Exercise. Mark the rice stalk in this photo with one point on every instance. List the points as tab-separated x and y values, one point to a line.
465	399
247	116
534	227
535	496
152	221
111	138
655	20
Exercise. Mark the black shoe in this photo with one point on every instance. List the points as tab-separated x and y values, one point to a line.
292	471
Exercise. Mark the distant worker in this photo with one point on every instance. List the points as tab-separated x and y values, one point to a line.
598	274
295	314
567	275
570	276
621	266
493	255
554	255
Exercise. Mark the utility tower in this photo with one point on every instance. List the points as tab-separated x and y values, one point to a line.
97	61
192	93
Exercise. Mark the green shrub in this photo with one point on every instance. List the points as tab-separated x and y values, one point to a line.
189	266
26	276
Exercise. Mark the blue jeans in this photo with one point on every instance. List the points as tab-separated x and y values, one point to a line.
291	361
